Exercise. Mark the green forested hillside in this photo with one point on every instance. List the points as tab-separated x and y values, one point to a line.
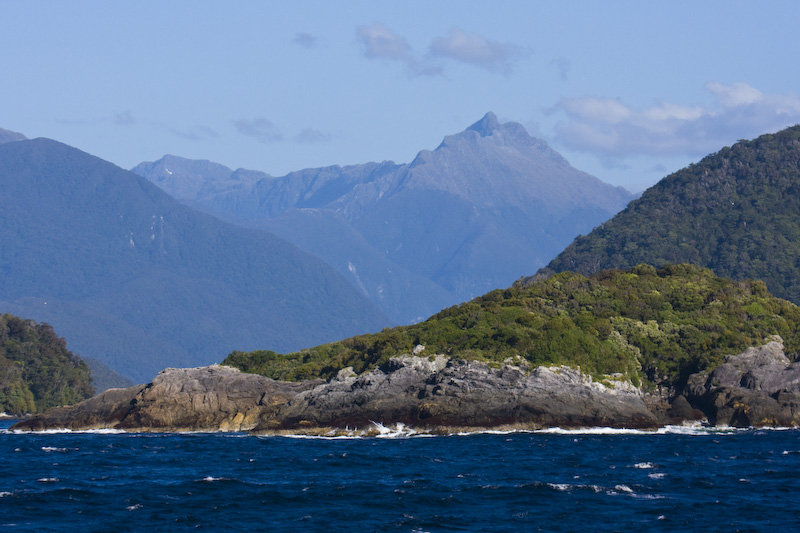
36	369
659	325
737	212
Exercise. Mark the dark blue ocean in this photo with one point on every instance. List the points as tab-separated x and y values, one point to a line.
678	479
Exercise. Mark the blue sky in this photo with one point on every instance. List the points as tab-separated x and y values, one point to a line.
627	91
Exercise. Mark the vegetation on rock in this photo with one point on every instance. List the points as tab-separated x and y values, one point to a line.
736	211
659	325
36	369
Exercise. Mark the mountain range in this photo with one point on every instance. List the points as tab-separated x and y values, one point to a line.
486	206
139	281
736	211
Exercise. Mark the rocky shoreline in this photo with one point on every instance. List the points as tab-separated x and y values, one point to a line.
759	387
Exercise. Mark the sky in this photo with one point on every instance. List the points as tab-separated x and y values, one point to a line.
628	91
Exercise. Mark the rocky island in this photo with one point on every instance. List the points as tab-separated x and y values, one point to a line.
758	387
641	349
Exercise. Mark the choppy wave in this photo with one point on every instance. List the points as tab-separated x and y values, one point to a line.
395	481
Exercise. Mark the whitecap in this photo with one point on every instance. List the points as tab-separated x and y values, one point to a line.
54	449
657	475
47	480
560	486
134	507
644	465
623	488
4	494
595	431
107	431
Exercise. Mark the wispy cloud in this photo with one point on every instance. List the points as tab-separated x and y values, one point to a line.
476	50
312	136
563	66
612	129
196	133
123	119
380	42
306	40
260	129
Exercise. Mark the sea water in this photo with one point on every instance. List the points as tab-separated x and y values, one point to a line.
596	480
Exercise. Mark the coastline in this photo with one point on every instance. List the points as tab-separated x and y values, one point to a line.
439	396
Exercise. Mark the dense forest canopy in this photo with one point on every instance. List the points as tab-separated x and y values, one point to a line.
657	325
36	369
736	211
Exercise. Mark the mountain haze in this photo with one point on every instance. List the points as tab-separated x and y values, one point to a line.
467	217
736	211
138	281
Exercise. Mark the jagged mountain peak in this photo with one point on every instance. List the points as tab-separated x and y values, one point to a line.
490	131
487	125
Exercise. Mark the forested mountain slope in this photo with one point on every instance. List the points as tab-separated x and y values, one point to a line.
140	282
36	369
736	211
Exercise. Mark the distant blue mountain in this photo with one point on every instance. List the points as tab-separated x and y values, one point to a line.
139	282
487	206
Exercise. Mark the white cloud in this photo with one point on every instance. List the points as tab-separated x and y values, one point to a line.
596	110
382	43
609	128
259	128
476	50
736	94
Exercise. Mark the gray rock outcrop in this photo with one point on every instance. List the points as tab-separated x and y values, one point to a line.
758	387
430	394
441	393
213	398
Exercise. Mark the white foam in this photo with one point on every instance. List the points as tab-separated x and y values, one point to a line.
134	507
624	488
656	475
209	479
400	430
644	465
107	431
47	480
595	431
4	494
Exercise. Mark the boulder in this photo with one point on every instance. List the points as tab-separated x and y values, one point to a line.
758	387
